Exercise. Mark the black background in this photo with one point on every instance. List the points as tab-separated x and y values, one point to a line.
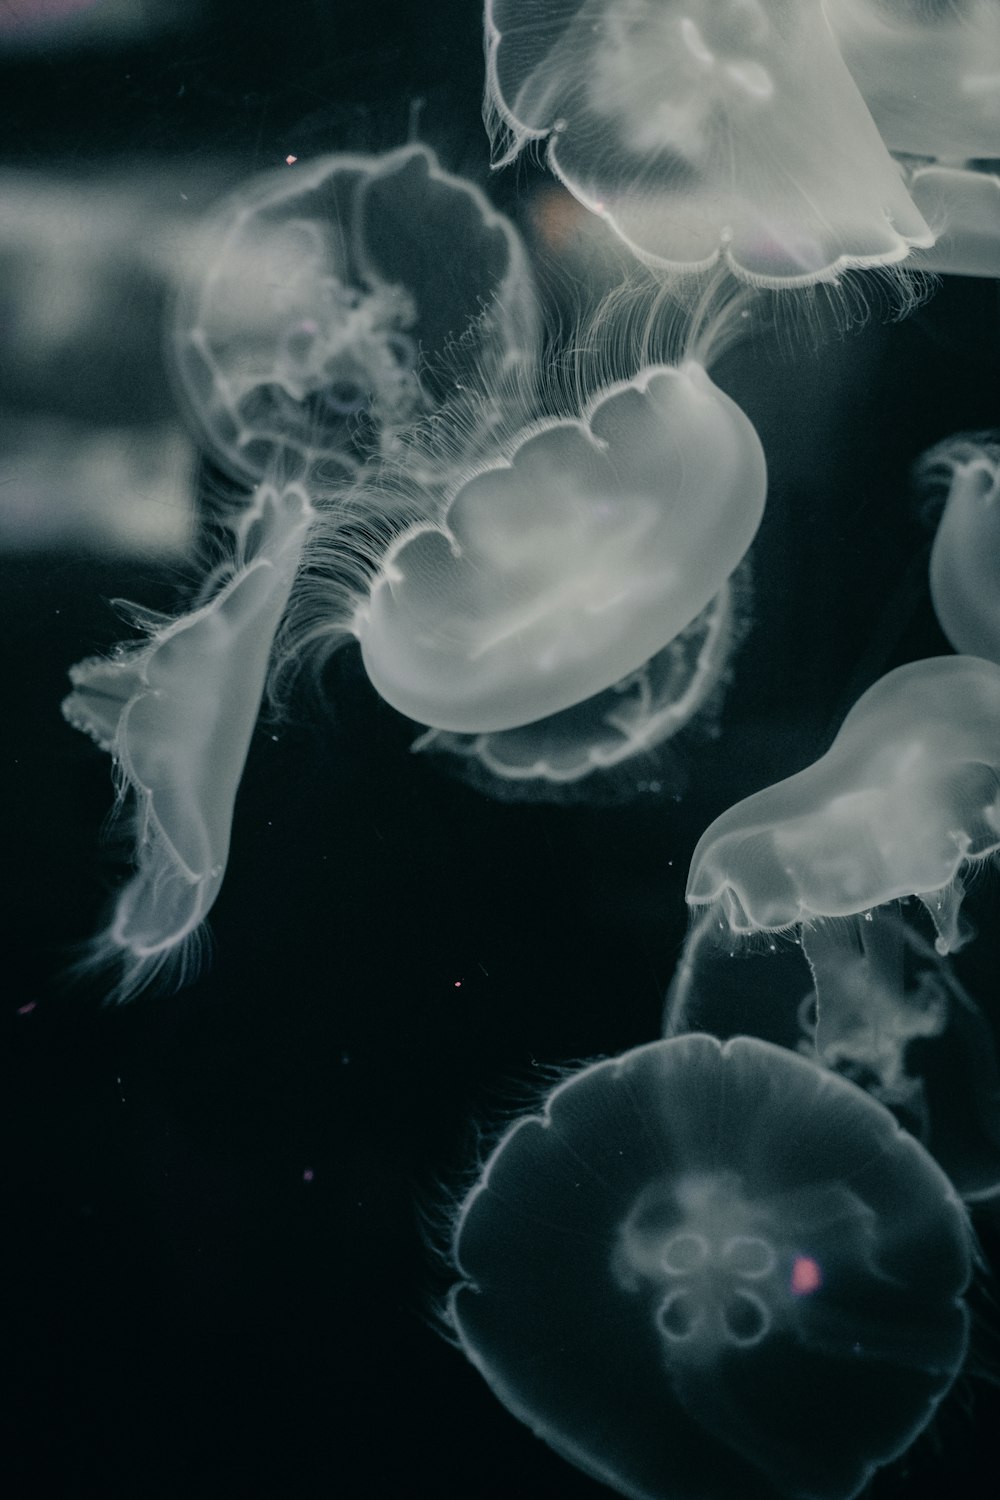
218	1278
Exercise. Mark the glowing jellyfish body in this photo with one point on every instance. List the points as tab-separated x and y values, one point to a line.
929	71
563	568
327	296
710	128
965	558
901	1026
582	751
176	713
906	798
713	1270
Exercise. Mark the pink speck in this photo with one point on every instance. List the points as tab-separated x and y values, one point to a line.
25	1010
806	1276
290	160
458	984
308	1175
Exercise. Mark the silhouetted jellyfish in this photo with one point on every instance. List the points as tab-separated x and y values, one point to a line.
708	129
328	294
583	752
929	71
903	1028
577	553
709	1270
176	713
960	479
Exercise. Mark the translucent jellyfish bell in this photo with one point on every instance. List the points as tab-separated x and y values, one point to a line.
564	565
708	129
929	71
325	297
964	471
176	713
710	1270
904	801
962	206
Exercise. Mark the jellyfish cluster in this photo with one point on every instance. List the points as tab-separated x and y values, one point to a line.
734	1260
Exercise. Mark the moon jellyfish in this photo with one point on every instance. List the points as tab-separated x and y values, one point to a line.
713	128
964	472
709	1270
566	563
906	799
329	294
904	1028
929	71
176	713
962	206
611	746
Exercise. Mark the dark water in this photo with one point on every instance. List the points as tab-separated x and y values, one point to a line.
218	1279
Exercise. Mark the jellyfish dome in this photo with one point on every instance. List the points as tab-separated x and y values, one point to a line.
929	71
176	713
568	562
326	296
708	1270
704	130
906	797
965	558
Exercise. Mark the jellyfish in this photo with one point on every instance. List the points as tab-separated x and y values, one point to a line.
319	319
711	129
566	563
965	558
613	746
905	1028
176	713
712	1269
962	206
929	71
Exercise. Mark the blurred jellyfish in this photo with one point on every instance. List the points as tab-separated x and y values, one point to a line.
962	206
960	479
708	129
570	560
583	752
317	323
929	71
903	1028
711	1270
176	714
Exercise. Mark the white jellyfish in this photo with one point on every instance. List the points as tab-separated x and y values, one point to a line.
176	713
704	130
708	1270
317	319
964	473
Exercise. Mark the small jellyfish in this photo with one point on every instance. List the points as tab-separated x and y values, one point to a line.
903	1027
904	802
929	71
710	129
176	713
710	1270
325	300
563	565
613	746
964	472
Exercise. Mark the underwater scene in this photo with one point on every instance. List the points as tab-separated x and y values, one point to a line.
500	553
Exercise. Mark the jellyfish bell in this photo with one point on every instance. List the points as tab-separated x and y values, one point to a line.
710	1269
960	480
962	206
176	713
929	71
711	130
570	560
325	295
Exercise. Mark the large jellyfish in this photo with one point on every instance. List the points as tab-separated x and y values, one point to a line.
708	129
905	1029
562	566
318	320
708	1270
961	480
176	713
